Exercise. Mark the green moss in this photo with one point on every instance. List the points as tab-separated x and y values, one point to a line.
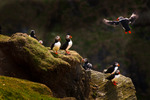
17	89
39	56
4	38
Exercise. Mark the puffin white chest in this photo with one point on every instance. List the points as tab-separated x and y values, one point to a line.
69	44
57	46
116	78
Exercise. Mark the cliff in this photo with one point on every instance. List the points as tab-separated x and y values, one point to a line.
23	57
103	89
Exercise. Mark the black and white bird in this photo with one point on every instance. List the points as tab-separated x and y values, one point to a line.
68	44
114	77
56	45
112	69
32	34
123	21
86	64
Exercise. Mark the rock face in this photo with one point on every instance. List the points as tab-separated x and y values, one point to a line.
23	57
103	89
18	89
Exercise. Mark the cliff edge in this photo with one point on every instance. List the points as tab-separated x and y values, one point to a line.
25	58
103	89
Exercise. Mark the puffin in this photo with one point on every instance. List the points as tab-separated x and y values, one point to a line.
123	21
67	45
32	34
113	68
56	45
114	77
86	64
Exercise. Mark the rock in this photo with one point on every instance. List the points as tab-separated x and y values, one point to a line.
24	57
103	89
13	89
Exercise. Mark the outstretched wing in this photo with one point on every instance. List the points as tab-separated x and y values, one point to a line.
108	22
132	18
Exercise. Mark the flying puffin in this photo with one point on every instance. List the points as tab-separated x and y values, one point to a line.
32	34
112	69
114	77
123	21
86	64
56	45
67	45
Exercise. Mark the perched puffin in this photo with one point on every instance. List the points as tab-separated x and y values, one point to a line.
123	21
114	77
56	45
112	69
86	64
67	45
32	34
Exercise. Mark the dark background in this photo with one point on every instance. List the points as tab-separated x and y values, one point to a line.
102	44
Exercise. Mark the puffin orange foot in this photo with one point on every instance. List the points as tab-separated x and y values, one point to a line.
67	52
129	32
115	83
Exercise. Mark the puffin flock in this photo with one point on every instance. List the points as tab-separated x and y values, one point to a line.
113	69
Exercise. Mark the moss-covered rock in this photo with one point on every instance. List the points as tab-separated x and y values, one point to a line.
17	89
103	89
23	57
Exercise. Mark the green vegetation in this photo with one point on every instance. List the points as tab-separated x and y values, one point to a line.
18	89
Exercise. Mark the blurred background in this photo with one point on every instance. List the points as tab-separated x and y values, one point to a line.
101	44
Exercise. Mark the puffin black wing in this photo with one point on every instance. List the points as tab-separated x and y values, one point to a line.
64	46
110	69
52	46
132	18
110	77
108	22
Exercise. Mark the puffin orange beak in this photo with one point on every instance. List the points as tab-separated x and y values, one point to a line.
119	73
118	65
82	60
70	36
117	19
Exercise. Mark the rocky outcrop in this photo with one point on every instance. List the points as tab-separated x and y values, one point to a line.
18	89
103	89
23	57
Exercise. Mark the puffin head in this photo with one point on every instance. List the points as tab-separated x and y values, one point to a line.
85	60
32	33
68	36
119	18
57	38
117	64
